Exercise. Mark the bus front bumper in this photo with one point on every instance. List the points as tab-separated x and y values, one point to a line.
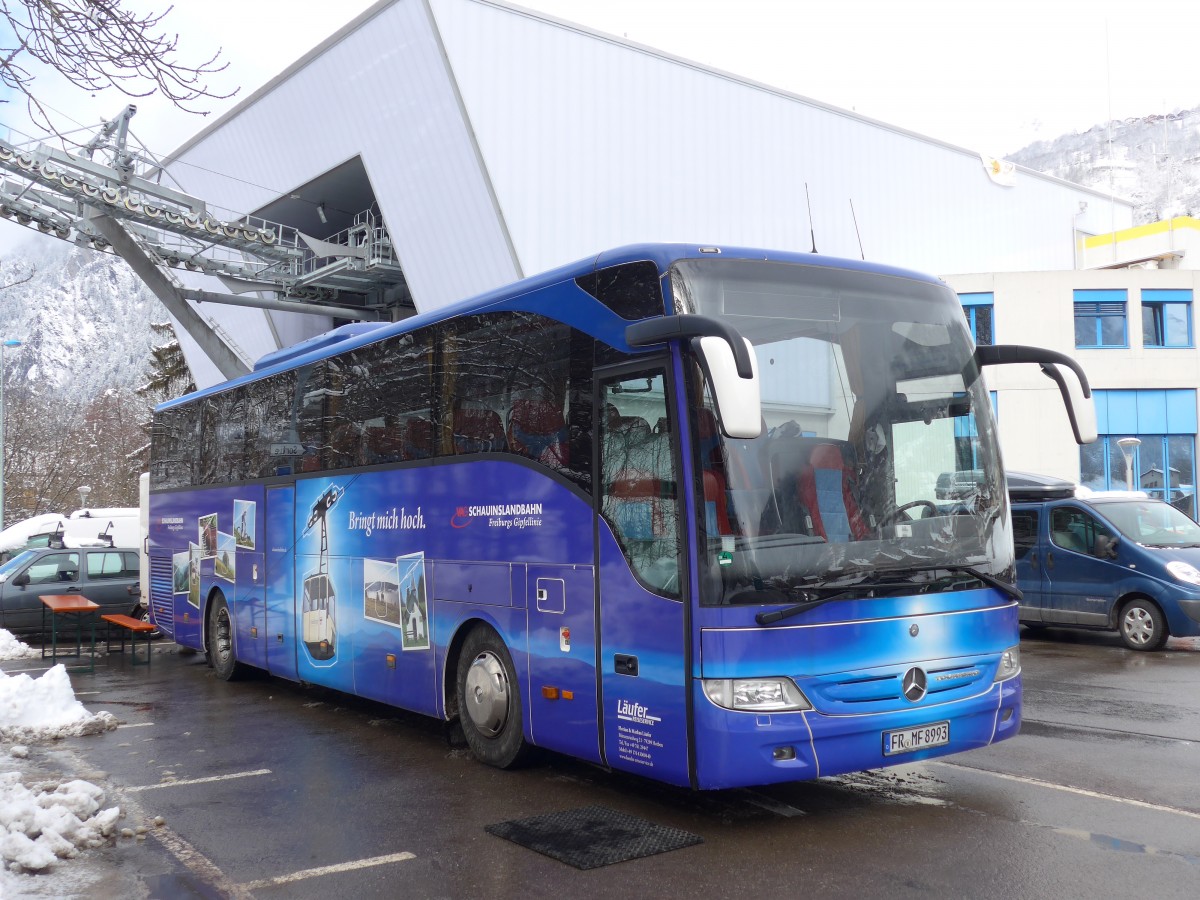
738	749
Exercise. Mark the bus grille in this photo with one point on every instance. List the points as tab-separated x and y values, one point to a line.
162	597
882	690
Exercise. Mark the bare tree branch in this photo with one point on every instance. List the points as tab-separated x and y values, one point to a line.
95	44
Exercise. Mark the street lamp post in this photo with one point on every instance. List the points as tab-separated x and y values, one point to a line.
1127	444
8	343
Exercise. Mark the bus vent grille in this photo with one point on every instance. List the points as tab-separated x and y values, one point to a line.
162	597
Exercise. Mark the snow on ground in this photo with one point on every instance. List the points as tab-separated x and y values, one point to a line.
11	648
46	820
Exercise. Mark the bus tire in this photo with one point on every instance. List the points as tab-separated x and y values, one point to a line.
489	700
218	642
1142	625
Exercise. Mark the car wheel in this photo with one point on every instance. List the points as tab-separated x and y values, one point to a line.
142	614
219	641
1142	625
489	700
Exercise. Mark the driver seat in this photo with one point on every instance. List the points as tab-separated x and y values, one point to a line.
826	490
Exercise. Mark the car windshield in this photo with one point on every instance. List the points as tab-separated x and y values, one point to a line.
16	562
878	451
1152	523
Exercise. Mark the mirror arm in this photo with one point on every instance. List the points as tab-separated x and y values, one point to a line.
1002	354
1051	372
671	328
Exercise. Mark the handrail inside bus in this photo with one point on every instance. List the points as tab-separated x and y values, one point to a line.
669	328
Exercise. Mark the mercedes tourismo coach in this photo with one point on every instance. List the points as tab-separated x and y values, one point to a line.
672	509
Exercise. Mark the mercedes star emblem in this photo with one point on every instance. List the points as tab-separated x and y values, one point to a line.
914	684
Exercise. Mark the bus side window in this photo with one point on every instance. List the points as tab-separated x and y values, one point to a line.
639	485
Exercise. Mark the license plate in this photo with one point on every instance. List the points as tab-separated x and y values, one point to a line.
909	740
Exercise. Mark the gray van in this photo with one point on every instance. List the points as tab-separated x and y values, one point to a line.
107	576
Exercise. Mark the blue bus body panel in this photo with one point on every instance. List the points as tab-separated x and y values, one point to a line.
850	662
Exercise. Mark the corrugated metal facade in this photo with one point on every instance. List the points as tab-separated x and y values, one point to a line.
501	143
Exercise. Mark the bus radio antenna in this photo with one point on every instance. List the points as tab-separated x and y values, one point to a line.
857	233
811	231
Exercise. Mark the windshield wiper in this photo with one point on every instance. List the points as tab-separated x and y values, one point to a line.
766	618
776	615
990	580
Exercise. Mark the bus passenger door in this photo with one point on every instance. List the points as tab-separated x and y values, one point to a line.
562	659
643	642
281	581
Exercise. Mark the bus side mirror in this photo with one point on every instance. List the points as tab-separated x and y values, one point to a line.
1063	370
739	406
727	359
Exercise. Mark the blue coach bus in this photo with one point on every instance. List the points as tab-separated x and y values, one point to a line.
672	509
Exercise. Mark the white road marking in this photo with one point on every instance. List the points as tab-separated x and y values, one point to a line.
1082	792
136	725
189	781
327	870
201	865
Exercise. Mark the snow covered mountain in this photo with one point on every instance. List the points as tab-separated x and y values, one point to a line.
83	319
1153	161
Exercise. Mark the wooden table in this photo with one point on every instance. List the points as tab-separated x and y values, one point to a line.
75	606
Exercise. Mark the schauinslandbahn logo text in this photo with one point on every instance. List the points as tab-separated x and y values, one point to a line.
500	515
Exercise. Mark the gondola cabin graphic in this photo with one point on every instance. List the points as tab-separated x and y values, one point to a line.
319	608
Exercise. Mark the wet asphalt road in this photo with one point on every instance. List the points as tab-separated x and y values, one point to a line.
315	794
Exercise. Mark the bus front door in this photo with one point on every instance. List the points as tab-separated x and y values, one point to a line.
643	637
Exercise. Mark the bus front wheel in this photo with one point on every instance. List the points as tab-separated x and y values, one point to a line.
219	641
489	700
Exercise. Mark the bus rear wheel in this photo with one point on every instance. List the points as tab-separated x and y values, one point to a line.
1142	625
219	641
489	700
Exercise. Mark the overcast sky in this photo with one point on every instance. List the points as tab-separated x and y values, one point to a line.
989	78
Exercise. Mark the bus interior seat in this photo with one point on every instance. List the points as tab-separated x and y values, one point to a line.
417	438
477	430
537	429
826	489
385	443
716	483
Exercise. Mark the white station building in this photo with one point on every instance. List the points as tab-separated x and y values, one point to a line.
476	143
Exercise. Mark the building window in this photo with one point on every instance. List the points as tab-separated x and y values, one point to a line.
1166	318
1100	319
978	310
1163	463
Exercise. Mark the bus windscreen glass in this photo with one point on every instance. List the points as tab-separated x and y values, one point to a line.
877	459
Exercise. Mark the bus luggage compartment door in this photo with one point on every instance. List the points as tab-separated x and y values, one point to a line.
562	660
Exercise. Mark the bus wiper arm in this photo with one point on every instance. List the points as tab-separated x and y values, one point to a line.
775	615
990	580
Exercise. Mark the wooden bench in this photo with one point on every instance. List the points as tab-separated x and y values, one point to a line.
134	627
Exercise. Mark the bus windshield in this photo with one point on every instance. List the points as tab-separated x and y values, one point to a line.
877	463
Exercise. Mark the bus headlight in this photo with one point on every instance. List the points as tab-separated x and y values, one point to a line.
1184	571
1010	664
756	694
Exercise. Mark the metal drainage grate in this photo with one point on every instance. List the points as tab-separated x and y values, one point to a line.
593	836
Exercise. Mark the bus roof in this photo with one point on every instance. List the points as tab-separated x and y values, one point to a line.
349	337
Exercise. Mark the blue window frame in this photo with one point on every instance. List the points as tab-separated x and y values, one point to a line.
1164	463
1100	319
1167	318
978	309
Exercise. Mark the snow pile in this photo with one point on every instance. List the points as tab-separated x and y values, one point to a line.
47	822
45	708
11	648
